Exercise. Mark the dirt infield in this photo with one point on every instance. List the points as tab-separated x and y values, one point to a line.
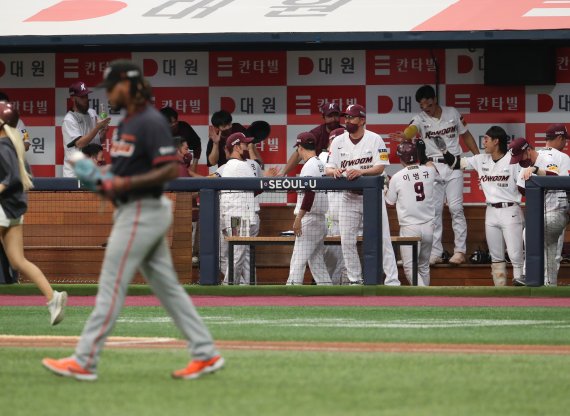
17	341
379	301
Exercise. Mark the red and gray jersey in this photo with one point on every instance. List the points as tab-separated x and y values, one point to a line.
449	126
142	142
498	179
368	152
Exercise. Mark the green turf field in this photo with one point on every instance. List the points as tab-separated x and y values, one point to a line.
137	382
550	326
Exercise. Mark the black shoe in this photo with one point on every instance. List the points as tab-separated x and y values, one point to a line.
520	281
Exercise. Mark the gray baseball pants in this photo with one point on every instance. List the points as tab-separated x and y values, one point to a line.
137	242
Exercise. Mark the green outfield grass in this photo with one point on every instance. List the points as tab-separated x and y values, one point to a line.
137	382
347	324
292	383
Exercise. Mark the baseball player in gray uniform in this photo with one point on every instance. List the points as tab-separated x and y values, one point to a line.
310	225
143	159
411	190
504	219
355	153
445	122
545	161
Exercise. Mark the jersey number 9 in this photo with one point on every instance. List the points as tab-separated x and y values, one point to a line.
419	188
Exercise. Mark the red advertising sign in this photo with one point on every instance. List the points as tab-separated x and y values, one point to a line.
304	103
248	68
36	105
392	67
472	192
483	104
43	171
273	150
86	67
59	152
191	103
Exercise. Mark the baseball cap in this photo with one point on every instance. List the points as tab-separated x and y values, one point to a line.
329	108
79	89
118	71
8	115
237	138
305	138
555	130
355	110
518	146
336	132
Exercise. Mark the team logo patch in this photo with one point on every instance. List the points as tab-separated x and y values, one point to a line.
552	168
383	154
122	149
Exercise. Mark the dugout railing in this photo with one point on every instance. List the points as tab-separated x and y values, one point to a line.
535	188
209	190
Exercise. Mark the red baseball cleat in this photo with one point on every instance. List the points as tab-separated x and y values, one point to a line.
68	367
196	368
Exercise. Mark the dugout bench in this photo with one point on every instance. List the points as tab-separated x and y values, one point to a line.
253	242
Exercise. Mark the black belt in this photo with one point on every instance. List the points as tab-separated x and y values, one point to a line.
437	159
501	204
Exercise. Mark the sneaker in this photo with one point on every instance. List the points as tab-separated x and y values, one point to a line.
392	282
56	307
435	260
68	367
195	260
457	258
196	368
519	281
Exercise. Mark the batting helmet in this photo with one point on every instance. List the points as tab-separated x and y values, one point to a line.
8	115
407	152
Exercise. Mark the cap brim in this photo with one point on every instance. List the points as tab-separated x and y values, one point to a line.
516	159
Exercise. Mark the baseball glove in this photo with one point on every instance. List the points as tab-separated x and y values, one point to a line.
259	130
